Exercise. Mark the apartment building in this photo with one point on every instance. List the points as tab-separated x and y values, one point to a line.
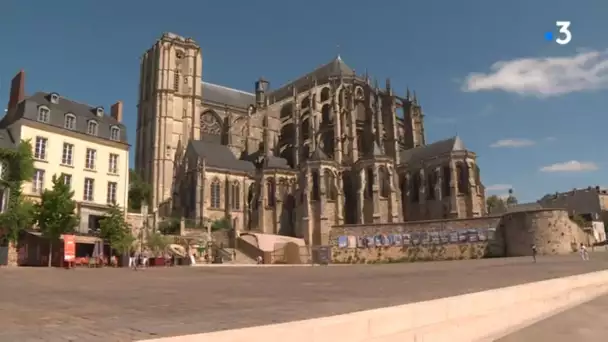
83	144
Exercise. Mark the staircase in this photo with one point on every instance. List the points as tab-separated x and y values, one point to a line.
241	258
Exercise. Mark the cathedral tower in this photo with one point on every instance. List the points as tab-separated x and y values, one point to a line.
169	100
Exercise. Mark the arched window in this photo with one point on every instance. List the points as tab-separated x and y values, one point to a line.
446	180
330	185
270	193
216	194
369	190
315	186
252	196
325	115
431	182
69	121
210	124
415	192
325	94
385	182
115	133
92	127
235	196
463	178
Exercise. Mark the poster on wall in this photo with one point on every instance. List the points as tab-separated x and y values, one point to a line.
482	234
69	248
463	236
371	241
434	237
342	241
378	240
397	240
444	237
415	238
362	242
472	235
453	236
352	241
407	239
425	238
386	240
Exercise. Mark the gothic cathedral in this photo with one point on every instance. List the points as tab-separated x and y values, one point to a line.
329	148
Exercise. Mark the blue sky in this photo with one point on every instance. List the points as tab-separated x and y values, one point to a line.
544	115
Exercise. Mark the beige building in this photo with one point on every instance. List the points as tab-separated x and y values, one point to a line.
329	148
83	144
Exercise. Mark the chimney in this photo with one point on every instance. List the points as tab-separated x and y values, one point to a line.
17	90
116	111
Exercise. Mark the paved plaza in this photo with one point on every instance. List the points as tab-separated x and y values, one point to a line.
38	304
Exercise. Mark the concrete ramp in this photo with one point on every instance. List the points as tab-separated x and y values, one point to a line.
481	316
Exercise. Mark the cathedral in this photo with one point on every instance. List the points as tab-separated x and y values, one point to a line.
329	148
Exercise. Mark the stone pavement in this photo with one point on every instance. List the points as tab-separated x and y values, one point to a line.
38	304
584	323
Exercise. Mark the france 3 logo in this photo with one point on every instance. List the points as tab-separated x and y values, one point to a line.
563	36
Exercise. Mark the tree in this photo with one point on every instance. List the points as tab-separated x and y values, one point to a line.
221	224
140	192
114	228
17	167
495	204
157	243
56	212
579	220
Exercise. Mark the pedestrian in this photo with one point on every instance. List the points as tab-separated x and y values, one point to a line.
259	260
534	251
131	258
584	253
234	254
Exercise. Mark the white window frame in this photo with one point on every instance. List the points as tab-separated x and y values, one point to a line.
112	192
88	190
40	148
44	114
38	181
67	179
90	159
67	154
66	121
114	133
92	127
113	163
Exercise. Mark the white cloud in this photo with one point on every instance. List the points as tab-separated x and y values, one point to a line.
499	187
570	166
543	77
513	143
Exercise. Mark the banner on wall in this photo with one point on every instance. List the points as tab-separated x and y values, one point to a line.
425	238
415	238
371	241
472	235
69	247
342	241
434	238
444	237
453	236
352	241
407	239
482	234
397	240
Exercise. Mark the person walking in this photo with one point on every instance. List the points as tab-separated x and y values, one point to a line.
584	252
534	251
131	258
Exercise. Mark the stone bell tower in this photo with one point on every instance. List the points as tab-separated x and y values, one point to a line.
168	110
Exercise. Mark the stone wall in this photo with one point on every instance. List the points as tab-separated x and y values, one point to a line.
509	235
551	230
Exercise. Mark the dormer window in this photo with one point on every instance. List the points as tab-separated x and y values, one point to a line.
54	98
92	127
43	114
69	121
115	133
99	111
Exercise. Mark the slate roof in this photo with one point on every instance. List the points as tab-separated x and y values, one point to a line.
268	162
6	142
82	112
219	156
335	67
435	149
218	94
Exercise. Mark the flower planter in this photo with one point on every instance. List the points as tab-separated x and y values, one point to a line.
157	261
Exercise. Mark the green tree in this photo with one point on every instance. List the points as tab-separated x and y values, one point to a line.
157	243
114	228
56	212
579	220
17	167
495	204
140	192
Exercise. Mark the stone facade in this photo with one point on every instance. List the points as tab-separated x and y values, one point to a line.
329	148
514	233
